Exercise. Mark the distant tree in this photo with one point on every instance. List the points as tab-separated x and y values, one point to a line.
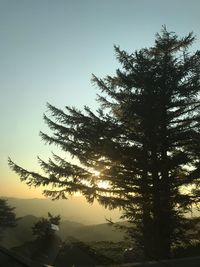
45	226
144	141
7	216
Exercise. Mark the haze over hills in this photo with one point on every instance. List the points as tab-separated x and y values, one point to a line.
17	236
79	220
73	209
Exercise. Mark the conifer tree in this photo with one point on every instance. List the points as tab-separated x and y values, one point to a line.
7	216
44	227
143	141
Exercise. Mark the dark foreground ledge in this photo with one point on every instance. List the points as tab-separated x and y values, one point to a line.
182	262
9	258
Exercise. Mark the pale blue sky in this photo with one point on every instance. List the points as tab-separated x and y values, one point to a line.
48	50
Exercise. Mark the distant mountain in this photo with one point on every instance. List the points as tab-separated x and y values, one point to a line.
74	209
13	237
90	233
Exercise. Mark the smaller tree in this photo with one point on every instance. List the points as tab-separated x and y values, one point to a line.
45	227
7	216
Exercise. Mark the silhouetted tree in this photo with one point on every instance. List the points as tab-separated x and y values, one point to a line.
45	226
7	216
144	141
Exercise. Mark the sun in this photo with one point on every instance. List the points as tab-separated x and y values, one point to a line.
101	183
96	173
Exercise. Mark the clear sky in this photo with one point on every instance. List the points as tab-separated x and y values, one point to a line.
48	51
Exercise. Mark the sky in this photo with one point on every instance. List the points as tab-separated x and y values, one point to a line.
48	52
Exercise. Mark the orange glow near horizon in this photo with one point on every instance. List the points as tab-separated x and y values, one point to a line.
11	186
20	190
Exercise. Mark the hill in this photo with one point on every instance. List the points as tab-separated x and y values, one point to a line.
21	233
74	209
17	236
90	233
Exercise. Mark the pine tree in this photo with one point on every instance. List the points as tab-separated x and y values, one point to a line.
43	229
143	141
7	216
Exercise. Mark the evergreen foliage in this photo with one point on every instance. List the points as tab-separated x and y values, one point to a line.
144	142
7	216
43	228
